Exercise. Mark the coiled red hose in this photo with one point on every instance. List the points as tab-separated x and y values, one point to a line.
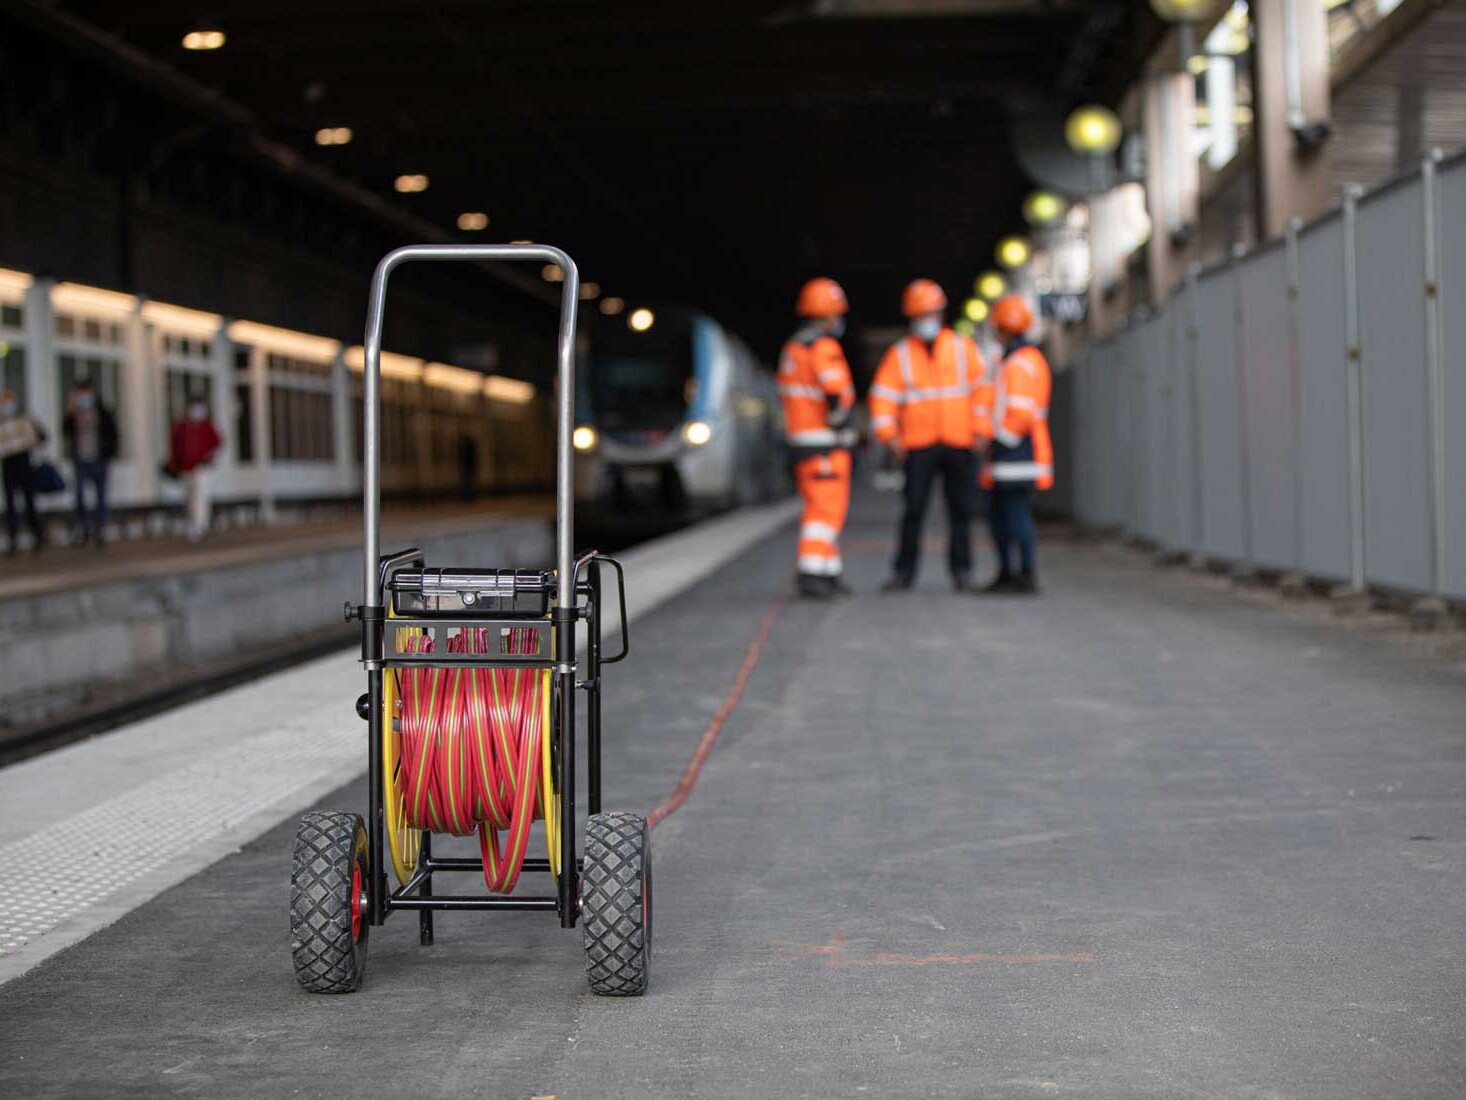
471	749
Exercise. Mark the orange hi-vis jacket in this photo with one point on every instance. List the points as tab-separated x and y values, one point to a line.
817	392
1022	451
928	397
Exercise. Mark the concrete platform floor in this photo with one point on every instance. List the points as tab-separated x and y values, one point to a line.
1135	838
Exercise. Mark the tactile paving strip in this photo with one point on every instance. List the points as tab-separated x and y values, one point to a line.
74	864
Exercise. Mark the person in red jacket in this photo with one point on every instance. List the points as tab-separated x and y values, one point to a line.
191	449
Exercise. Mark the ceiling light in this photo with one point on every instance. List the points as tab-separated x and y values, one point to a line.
697	432
551	273
473	221
590	291
1197	64
641	319
203	40
1043	208
1012	252
333	135
521	242
411	184
990	285
612	306
975	310
583	438
1093	130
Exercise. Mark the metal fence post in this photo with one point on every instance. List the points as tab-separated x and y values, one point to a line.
1244	465
1295	385
1355	368
1434	381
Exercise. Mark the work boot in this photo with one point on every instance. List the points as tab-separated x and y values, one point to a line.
838	587
897	583
999	585
1026	584
811	587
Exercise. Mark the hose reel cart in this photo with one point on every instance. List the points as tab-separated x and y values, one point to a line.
470	706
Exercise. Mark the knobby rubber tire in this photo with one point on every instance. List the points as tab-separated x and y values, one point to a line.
616	904
328	958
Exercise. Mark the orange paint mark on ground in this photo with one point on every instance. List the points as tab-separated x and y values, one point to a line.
888	958
836	953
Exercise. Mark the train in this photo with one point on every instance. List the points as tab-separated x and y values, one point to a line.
287	403
674	415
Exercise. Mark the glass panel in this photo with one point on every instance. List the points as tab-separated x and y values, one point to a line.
244	424
12	370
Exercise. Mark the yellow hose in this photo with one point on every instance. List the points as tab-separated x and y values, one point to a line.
549	800
403	842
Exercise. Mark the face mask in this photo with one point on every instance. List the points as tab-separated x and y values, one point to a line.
8	409
85	401
926	328
837	327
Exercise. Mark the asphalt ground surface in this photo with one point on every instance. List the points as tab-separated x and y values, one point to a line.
1135	838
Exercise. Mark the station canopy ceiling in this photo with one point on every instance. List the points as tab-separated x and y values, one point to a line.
714	152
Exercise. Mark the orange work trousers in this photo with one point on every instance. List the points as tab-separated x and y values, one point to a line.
824	484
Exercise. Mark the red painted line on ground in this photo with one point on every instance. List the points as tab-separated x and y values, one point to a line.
715	724
887	958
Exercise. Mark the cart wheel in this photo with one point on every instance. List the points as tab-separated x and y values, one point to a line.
328	905
616	904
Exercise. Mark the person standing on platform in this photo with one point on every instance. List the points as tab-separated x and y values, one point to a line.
20	436
90	431
1021	455
819	399
924	407
194	441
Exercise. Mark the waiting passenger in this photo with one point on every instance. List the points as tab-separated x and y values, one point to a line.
192	447
20	437
91	441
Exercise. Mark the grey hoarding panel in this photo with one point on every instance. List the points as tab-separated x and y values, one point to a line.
1453	360
1158	435
1060	499
1324	410
1217	385
1392	333
1262	281
1174	409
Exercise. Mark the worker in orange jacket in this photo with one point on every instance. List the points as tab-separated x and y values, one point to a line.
819	400
1021	455
924	407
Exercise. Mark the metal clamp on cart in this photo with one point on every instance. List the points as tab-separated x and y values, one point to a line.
472	675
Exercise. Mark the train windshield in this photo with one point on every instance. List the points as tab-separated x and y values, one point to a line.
642	381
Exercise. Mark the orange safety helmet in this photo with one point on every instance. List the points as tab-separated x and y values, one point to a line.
821	298
922	296
1012	315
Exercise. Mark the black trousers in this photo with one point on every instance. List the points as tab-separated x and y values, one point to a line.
958	470
19	490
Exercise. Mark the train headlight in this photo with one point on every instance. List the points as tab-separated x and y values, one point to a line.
584	438
696	432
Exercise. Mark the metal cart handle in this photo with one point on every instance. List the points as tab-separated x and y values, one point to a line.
565	399
596	557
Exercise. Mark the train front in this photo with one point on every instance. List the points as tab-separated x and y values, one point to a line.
655	423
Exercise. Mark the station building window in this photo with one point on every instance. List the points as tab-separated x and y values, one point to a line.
244	411
301	421
12	349
93	349
187	374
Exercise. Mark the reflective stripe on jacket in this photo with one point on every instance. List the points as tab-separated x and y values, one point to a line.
928	397
816	391
1022	451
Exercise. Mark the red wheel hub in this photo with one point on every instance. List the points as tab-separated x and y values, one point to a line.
356	901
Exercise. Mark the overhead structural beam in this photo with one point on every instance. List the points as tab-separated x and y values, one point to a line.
192	96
